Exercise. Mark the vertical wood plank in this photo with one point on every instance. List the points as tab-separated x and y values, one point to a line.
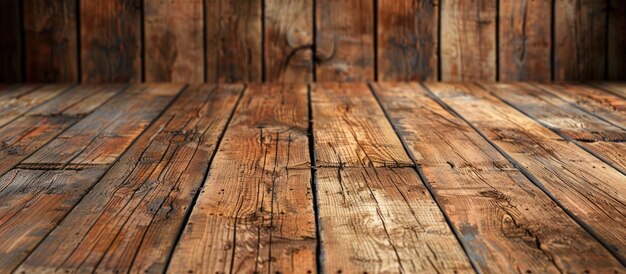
345	40
50	41
10	43
289	40
407	40
468	40
617	40
525	40
234	41
174	41
580	40
110	40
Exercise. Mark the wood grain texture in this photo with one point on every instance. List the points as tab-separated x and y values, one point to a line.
10	42
137	209
525	40
102	137
110	41
289	41
586	186
352	130
468	40
580	34
382	220
345	40
255	213
19	99
407	40
617	88
234	41
617	40
506	223
50	41
174	46
34	207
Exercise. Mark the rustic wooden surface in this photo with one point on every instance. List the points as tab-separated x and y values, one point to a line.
329	177
304	40
50	41
174	46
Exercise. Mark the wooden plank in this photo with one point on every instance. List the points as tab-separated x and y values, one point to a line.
18	99
382	220
525	40
617	40
590	189
131	218
50	41
10	42
255	213
289	41
407	40
110	41
23	136
32	207
351	128
617	88
605	105
483	194
174	46
468	40
580	34
102	137
234	41
345	40
605	140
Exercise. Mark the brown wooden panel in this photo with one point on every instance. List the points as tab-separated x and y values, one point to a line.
617	88
234	41
289	41
468	40
507	224
255	213
617	40
163	170
580	34
50	41
10	42
174	41
345	40
407	40
525	40
110	41
587	187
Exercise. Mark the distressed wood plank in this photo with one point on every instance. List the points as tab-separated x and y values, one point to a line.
580	34
525	40
407	40
505	221
103	136
130	219
255	213
19	99
289	41
10	42
345	40
50	41
569	120
32	207
617	40
468	40
382	220
234	41
110	41
35	128
617	88
174	46
587	187
351	128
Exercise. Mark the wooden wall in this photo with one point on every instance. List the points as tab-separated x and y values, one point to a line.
311	40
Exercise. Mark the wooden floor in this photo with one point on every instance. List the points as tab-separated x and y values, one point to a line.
334	178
